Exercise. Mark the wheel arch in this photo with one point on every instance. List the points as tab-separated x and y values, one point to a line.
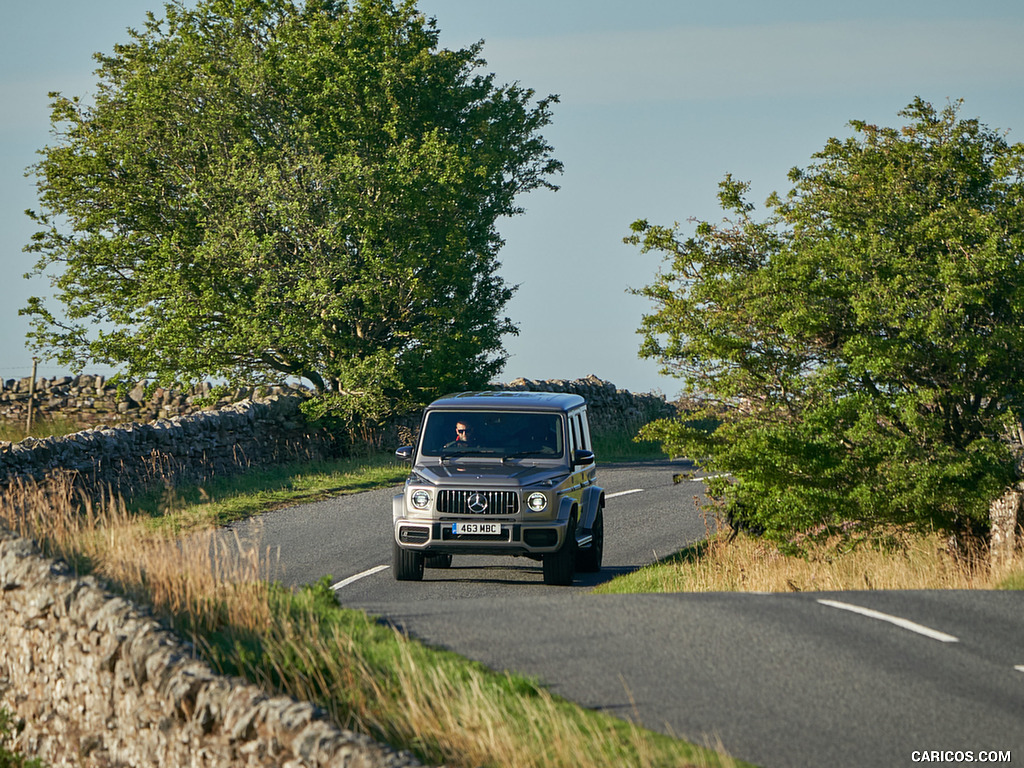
592	500
397	508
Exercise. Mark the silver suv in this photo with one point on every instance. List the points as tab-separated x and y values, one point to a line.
501	473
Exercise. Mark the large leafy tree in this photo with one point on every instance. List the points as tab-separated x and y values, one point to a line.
862	346
267	187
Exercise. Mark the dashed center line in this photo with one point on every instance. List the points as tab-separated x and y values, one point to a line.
351	579
934	634
623	493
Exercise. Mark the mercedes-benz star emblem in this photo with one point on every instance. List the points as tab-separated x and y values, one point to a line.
477	503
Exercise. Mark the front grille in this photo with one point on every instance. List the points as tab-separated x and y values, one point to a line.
478	502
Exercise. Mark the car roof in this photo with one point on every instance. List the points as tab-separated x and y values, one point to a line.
516	399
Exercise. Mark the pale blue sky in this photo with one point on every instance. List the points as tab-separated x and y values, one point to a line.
659	100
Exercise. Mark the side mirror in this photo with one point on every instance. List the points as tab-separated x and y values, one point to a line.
404	453
582	458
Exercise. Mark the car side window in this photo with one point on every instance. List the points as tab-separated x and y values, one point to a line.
585	430
578	430
579	436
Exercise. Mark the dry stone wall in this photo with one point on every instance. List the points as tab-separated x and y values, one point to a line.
127	457
88	400
93	400
97	683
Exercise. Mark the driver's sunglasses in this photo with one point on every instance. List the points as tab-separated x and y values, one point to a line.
460	431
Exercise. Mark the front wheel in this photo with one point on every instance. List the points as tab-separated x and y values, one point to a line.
559	567
407	564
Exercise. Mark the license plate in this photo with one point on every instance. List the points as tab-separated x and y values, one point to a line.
484	529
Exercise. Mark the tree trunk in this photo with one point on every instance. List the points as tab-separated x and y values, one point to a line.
1003	534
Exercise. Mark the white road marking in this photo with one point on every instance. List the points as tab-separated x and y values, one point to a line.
708	477
623	493
1019	667
904	623
351	579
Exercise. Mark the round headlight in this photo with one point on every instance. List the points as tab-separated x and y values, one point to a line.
536	502
420	499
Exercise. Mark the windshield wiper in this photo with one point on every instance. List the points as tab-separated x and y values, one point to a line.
453	454
524	454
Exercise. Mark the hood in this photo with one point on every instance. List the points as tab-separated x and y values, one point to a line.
491	474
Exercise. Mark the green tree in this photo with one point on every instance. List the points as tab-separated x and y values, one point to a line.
861	345
262	187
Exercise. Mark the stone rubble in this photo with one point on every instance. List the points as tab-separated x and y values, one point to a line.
97	682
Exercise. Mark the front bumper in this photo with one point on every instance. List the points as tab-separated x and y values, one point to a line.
516	538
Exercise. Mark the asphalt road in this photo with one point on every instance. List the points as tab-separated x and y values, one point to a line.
780	680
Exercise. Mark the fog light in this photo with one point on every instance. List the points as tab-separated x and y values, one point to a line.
536	502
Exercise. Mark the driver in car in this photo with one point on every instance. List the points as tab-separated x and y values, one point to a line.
464	436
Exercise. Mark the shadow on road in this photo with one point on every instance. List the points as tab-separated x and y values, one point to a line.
526	575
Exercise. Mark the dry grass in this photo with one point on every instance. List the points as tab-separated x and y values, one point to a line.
49	426
368	677
193	576
900	560
446	709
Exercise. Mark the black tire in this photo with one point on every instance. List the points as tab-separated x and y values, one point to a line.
560	566
437	561
408	565
589	560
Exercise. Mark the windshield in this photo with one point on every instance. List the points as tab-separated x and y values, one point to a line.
501	434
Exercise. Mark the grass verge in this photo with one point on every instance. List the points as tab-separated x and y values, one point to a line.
746	564
368	677
621	446
226	499
442	707
13	432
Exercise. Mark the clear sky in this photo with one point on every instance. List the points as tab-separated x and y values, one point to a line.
659	100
